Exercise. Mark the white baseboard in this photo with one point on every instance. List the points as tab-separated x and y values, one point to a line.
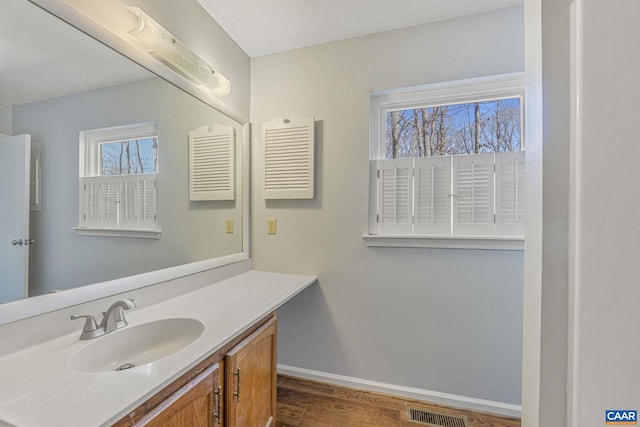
451	400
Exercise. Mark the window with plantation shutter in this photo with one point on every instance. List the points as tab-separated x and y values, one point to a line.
447	162
119	182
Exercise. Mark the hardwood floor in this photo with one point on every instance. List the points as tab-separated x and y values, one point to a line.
303	403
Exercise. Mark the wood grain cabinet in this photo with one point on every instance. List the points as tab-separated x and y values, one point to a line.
235	387
251	379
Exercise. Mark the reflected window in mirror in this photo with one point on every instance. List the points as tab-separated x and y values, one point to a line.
119	181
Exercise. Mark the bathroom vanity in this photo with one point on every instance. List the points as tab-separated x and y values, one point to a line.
207	357
236	386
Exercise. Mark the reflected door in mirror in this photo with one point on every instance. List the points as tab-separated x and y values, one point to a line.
15	161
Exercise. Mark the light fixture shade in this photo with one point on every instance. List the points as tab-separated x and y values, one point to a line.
164	47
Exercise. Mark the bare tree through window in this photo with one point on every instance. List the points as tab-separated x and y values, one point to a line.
129	157
469	128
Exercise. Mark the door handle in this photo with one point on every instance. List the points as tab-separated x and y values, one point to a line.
21	242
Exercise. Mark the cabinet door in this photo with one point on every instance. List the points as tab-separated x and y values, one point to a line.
196	404
251	379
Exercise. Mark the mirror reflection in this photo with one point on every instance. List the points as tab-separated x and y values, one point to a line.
56	85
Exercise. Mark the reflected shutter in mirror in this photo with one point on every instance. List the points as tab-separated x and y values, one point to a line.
211	163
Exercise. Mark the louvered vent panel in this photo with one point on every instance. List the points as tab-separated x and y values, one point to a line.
288	158
435	419
212	163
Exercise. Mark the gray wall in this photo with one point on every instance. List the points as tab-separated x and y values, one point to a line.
434	319
191	231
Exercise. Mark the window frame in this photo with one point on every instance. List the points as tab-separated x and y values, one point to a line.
89	167
445	93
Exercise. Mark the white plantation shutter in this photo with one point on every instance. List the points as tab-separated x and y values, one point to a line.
119	202
510	193
461	195
288	158
99	202
212	163
395	196
473	187
431	195
138	201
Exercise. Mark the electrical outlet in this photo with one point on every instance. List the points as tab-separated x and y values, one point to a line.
271	226
228	225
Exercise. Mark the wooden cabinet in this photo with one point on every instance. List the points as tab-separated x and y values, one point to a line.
235	386
251	379
196	404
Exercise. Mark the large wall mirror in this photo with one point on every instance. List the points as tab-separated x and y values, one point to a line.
56	82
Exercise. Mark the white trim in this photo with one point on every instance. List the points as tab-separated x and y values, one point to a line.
91	139
576	66
443	93
34	306
533	134
117	232
444	242
451	400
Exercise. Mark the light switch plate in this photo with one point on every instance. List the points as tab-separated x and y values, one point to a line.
271	226
228	225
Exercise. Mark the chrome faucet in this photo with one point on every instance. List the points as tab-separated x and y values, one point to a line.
112	319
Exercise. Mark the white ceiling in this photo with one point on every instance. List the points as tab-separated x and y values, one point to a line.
261	27
42	57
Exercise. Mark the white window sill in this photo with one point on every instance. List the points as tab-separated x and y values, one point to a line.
118	232
445	242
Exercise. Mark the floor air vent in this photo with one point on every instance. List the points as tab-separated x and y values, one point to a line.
435	419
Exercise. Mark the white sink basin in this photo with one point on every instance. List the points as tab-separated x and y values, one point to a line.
138	345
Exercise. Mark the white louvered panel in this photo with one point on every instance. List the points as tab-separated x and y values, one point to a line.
510	193
99	201
119	201
473	189
431	194
147	202
212	163
138	206
396	196
108	201
288	158
129	201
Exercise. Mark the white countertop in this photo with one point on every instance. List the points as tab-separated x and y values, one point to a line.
39	388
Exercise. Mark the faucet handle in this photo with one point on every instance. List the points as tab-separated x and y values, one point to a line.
90	329
121	321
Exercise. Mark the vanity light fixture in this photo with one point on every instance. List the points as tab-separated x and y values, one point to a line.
164	47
